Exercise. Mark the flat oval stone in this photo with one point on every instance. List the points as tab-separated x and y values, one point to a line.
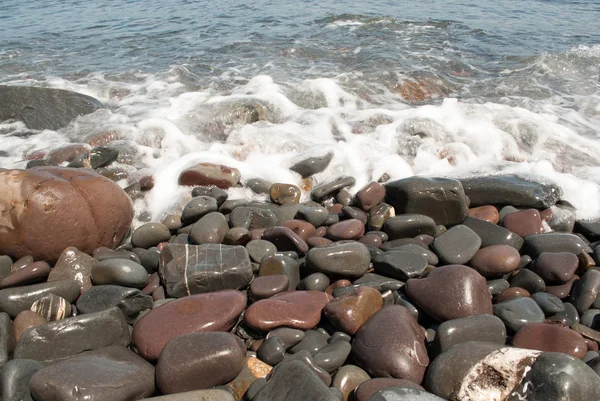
585	290
457	245
511	293
214	394
518	312
14	379
537	244
409	225
267	286
344	259
348	378
301	228
549	303
237	236
271	351
52	307
289	337
556	267
17	299
120	272
563	290
210	229
284	193
259	248
487	213
36	271
370	240
528	280
285	239
332	356
321	191
312	342
214	311
431	257
495	260
400	265
312	165
550	338
149	235
460	292
25	320
395	393
197	208
111	373
281	265
316	215
296	309
524	223
493	234
210	174
351	229
7	338
401	351
315	282
199	361
348	312
367	389
488	328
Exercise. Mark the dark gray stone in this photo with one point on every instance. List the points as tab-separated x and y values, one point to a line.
150	259
131	301
516	313
280	264
348	259
210	229
17	299
409	226
7	338
548	302
492	234
316	281
529	280
591	229
591	318
62	339
195	269
271	351
14	379
313	341
486	328
219	194
321	191
5	264
442	199
569	315
400	265
120	272
585	290
457	245
252	217
198	207
149	235
288	336
286	212
537	244
396	393
431	257
312	165
44	108
315	214
258	185
332	356
510	190
497	286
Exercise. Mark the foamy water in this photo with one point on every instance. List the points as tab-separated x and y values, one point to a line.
441	113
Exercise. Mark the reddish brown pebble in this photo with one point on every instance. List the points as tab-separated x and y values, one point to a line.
371	240
511	293
295	309
488	213
257	233
550	338
562	291
146	183
556	267
318	241
524	223
336	208
25	320
34	272
351	229
337	284
369	196
267	286
546	215
204	174
495	260
214	311
591	345
256	345
161	246
153	284
348	312
158	294
367	389
321	231
285	239
302	228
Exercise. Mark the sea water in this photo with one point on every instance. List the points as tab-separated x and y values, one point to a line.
392	89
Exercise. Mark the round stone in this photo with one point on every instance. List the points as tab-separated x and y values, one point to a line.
348	378
351	310
301	228
518	312
259	248
370	195
25	320
209	229
511	293
488	213
457	245
237	236
344	259
271	351
550	338
267	286
524	223
198	207
210	174
120	272
149	235
556	267
346	230
315	282
495	260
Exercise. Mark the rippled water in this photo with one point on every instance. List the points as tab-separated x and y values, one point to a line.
430	87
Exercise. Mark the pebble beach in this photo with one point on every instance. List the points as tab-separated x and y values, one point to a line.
273	205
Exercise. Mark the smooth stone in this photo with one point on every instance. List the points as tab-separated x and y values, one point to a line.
281	265
199	361
258	185
395	393
383	281
251	218
130	301
150	260
289	337
569	316
557	376
496	286
25	320
209	229
5	264
510	190
585	290
487	213
149	235
537	244
293	380
378	215
296	309
332	356
314	214
172	221
371	240
350	259
267	286
458	245
430	256
442	199
528	280
562	291
495	260
204	395
400	265
516	313
17	299
353	212
312	165
285	213
194	269
460	292
305	356
369	388
36	271
14	379
348	312
487	328
7	338
351	229
237	236
550	338
52	307
197	208
111	373
230	204
284	193
214	311
21	263
259	248
315	281
556	267
62	339
215	192
103	253
321	191
344	197
591	318
492	234
409	225
524	223
348	378
271	351
120	272
303	229
204	174
285	239
370	195
549	303
590	229
400	352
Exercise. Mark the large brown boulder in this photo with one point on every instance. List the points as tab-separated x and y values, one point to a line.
45	210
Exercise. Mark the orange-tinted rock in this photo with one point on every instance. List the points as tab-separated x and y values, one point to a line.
351	229
103	138
253	370
495	260
45	210
25	320
146	183
524	223
214	311
210	174
488	213
301	228
285	239
511	293
348	312
295	309
283	194
550	338
36	271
